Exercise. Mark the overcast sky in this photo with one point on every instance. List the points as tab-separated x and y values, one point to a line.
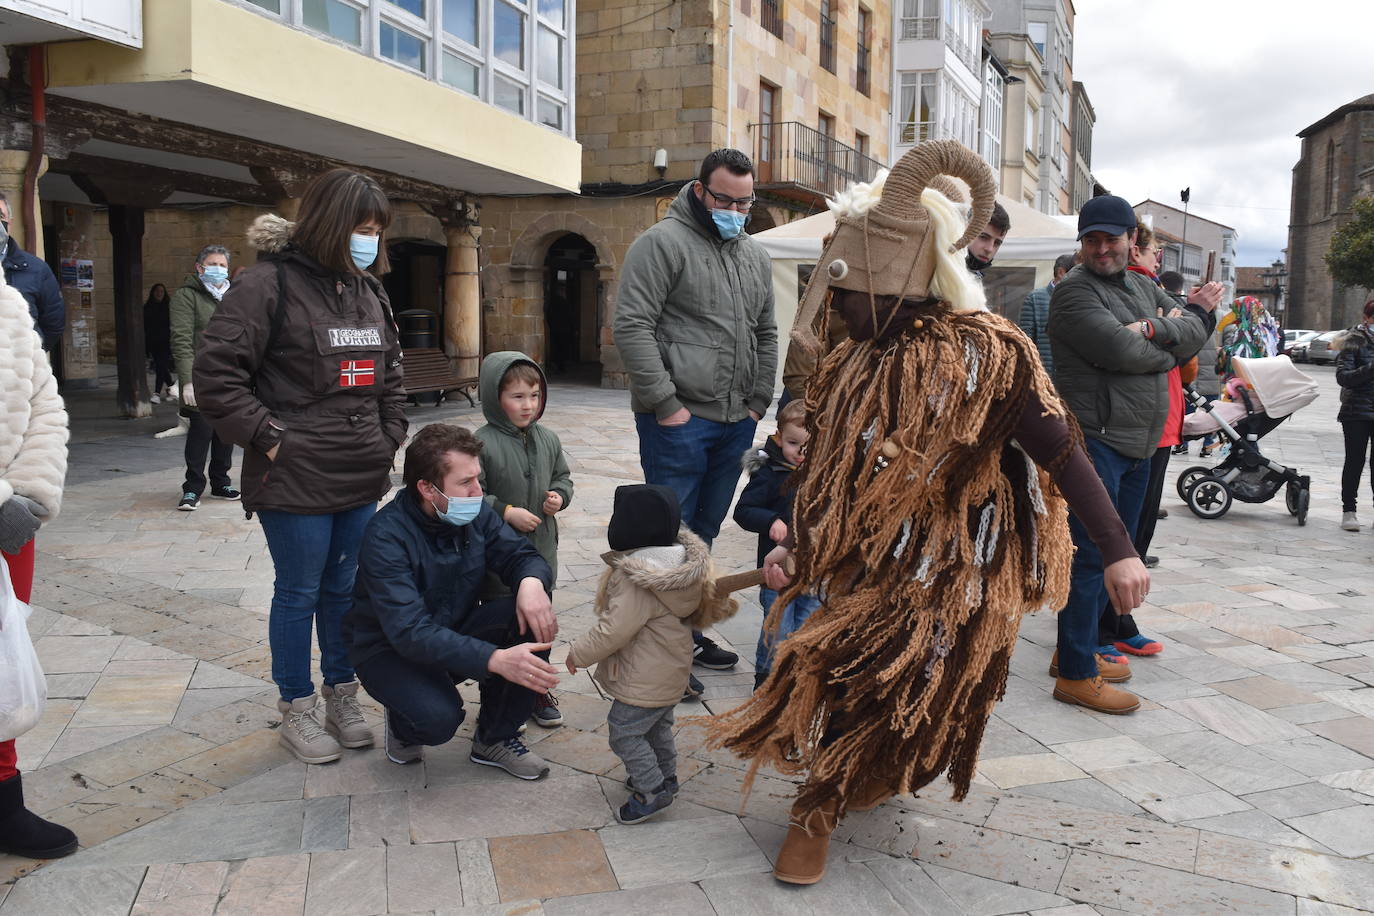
1211	94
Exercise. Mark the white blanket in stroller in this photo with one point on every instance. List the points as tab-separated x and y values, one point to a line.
1277	389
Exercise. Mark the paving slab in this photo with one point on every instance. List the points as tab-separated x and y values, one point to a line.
561	864
204	833
422	878
690	850
1142	888
459	813
181	890
673	900
75	892
1346	831
349	882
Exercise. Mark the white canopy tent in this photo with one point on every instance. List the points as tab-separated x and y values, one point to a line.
1026	259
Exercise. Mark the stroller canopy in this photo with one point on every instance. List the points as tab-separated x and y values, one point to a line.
1282	387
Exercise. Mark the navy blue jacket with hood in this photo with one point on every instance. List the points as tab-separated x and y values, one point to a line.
419	579
765	498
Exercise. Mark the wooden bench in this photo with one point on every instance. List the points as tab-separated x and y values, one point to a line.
429	370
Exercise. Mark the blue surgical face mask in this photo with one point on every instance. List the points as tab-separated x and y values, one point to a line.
461	509
729	223
363	248
216	274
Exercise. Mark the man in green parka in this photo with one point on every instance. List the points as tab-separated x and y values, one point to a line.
524	474
191	308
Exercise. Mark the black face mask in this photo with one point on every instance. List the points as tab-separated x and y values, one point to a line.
975	264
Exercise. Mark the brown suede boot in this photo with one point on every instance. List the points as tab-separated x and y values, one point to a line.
871	794
1093	694
802	857
1111	672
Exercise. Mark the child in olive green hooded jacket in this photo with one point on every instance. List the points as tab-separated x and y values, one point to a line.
524	473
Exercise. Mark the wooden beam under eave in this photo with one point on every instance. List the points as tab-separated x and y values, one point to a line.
98	167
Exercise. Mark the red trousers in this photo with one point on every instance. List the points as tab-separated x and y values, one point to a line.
21	577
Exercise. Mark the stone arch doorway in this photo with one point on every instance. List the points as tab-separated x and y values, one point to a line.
572	318
761	219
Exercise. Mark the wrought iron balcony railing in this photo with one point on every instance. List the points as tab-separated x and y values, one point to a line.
788	152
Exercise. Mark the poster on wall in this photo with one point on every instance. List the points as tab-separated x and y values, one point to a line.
85	274
69	272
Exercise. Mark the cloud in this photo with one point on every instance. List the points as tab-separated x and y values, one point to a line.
1210	94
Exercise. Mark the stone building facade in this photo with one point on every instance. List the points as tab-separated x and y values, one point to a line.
801	87
1335	168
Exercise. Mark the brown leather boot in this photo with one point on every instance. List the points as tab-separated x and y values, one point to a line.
871	794
1093	694
802	857
1111	672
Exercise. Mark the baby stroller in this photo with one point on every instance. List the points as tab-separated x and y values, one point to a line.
1266	391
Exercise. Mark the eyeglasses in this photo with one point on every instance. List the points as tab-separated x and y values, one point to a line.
725	201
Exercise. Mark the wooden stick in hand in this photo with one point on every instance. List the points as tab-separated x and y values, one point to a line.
724	585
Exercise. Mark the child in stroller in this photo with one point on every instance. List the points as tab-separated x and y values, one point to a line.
1265	391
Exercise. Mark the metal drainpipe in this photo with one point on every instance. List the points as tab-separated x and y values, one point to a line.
37	81
730	77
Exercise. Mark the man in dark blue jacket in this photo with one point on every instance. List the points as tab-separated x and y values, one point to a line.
33	278
417	628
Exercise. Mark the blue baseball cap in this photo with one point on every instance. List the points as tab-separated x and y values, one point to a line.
1108	213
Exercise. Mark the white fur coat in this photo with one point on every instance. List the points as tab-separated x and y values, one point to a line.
33	429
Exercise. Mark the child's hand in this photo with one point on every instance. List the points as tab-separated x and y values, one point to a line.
552	502
521	520
572	669
778	531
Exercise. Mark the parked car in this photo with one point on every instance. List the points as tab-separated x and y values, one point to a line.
1321	349
1291	335
1296	348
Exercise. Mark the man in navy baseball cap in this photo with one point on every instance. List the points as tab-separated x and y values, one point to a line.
1109	214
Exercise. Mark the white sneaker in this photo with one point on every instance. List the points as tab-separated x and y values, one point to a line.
156	399
1349	522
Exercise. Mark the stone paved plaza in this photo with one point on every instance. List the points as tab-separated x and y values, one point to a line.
1245	784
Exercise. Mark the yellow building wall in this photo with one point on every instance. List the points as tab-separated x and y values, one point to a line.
221	45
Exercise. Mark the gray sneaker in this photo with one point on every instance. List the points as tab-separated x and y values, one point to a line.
512	756
343	717
302	734
1350	521
396	751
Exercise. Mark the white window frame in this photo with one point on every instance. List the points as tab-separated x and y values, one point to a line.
389	13
914	79
429	29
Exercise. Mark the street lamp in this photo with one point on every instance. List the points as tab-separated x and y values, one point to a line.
1184	195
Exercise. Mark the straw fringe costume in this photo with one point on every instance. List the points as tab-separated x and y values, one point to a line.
925	528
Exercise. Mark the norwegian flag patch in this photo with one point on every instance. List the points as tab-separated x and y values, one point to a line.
356	372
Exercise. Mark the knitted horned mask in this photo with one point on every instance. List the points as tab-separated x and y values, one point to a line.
895	239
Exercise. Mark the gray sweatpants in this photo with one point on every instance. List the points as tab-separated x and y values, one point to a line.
643	739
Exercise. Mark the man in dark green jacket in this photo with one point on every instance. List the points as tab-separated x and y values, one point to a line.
694	325
191	309
1112	353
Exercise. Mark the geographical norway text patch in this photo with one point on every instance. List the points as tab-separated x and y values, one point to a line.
356	372
344	338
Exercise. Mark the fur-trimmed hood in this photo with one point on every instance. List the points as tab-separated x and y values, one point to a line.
270	233
686	589
769	454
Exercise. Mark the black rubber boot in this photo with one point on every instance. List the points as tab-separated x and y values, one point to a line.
24	833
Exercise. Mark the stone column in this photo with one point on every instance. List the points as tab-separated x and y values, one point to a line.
463	299
12	165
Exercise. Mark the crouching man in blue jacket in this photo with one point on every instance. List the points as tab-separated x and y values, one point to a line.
417	629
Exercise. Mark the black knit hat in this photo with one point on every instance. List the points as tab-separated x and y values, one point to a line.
644	515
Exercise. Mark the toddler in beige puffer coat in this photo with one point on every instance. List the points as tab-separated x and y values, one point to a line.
649	601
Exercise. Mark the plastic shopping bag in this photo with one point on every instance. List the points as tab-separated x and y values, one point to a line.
23	689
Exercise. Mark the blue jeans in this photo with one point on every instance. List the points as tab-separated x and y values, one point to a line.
793	616
1126	480
316	557
699	461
